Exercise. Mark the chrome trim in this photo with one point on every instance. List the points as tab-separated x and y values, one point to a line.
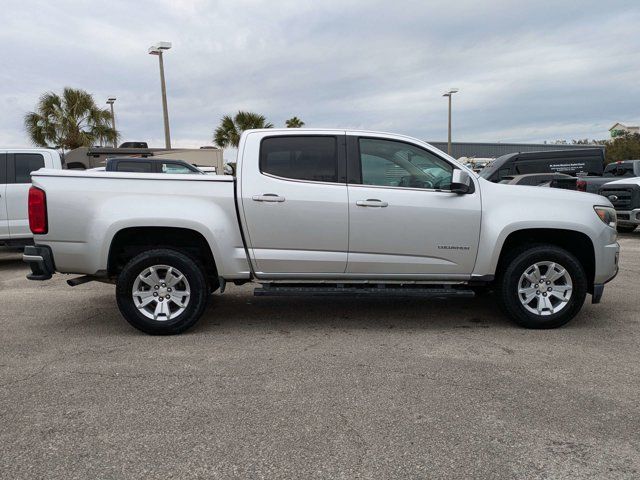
401	188
297	180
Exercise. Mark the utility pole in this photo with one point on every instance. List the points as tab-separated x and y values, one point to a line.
110	102
157	50
449	94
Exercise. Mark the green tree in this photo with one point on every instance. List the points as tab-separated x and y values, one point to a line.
69	121
623	147
228	132
294	122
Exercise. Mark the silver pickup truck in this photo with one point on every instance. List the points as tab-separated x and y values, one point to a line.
322	212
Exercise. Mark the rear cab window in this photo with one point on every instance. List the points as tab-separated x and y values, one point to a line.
300	157
23	165
619	170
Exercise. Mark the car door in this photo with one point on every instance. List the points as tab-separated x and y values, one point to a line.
294	201
4	222
19	168
404	221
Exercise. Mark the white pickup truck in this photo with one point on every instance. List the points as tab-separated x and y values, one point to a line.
16	166
322	212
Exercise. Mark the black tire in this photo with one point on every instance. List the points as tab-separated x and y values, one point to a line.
625	228
197	301
515	266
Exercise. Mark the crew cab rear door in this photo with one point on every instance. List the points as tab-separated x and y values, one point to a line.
294	203
404	220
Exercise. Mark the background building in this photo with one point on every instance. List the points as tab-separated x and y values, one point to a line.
620	129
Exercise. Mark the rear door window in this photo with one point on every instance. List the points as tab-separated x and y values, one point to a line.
312	158
24	164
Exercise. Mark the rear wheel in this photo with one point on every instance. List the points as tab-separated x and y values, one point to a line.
542	286
626	228
162	292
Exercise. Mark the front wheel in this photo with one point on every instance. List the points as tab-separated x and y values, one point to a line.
542	287
162	292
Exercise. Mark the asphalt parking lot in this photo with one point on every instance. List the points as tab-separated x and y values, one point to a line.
316	388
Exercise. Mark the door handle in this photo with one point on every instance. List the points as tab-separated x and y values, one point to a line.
371	202
268	197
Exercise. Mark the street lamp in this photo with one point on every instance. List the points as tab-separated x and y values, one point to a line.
449	94
157	50
111	101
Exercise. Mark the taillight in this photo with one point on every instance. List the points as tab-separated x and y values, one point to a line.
581	186
38	211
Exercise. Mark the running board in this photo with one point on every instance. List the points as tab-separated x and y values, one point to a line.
272	290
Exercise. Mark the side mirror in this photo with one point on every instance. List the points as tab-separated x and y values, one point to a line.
460	182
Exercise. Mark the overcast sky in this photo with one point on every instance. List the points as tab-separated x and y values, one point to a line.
527	71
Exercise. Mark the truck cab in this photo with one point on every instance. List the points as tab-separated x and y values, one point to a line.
16	166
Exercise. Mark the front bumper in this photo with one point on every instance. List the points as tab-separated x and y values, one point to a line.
612	254
629	216
40	259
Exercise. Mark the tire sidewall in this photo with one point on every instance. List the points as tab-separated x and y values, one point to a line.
510	284
187	266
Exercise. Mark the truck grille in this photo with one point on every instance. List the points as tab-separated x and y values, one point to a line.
620	197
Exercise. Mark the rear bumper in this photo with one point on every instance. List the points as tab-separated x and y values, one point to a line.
40	260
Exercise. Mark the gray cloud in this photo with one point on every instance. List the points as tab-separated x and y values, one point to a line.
527	71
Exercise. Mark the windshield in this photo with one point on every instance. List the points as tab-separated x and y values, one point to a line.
488	171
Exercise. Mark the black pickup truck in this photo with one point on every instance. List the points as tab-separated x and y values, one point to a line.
613	171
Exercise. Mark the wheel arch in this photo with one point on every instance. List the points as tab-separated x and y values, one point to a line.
577	243
130	241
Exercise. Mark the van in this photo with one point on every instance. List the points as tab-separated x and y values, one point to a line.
578	162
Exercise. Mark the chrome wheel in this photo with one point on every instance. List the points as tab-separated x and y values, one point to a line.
545	288
161	292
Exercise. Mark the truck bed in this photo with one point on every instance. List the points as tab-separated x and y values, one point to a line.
86	209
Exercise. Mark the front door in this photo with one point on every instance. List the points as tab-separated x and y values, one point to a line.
294	199
404	221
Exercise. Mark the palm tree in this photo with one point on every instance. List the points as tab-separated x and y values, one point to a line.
230	129
69	121
294	122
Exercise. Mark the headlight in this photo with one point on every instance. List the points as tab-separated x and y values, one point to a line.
607	215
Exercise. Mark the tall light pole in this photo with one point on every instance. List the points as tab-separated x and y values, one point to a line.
111	101
449	94
157	50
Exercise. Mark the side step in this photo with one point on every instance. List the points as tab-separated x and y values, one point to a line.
350	290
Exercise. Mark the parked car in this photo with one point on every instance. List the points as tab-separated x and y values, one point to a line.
613	171
574	162
150	165
553	180
625	196
322	212
16	166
